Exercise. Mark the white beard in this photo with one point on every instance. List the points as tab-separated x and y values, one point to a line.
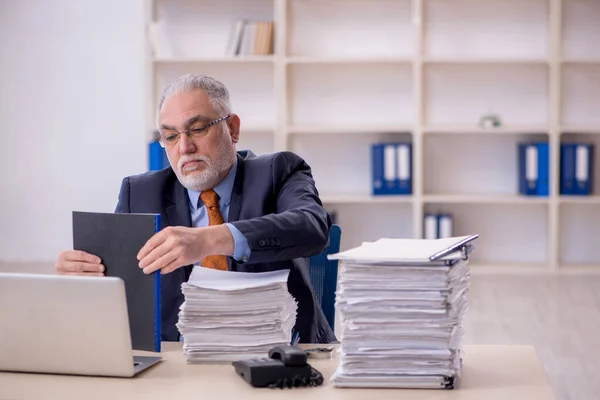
207	178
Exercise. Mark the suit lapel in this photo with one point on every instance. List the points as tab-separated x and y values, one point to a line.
177	208
236	192
178	214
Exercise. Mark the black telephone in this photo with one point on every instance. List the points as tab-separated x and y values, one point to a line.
286	366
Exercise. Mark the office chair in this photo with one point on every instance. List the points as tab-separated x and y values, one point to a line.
323	275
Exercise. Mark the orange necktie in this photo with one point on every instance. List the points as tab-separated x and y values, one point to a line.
211	201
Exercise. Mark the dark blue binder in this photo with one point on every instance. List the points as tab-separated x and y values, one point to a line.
567	169
391	168
117	239
543	184
534	169
378	184
157	157
528	187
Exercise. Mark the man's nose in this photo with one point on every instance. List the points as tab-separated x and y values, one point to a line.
186	145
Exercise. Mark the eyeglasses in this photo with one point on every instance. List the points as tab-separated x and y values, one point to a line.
171	139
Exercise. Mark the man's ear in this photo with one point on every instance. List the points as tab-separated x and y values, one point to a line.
234	127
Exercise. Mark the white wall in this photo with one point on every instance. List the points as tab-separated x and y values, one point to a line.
72	103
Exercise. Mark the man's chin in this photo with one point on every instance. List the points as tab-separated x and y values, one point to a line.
193	180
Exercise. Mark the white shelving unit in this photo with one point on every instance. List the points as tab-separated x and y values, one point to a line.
349	73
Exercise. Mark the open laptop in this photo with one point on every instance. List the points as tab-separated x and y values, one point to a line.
66	325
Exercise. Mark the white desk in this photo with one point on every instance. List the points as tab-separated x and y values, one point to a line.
489	373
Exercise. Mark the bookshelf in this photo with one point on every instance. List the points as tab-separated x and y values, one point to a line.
345	74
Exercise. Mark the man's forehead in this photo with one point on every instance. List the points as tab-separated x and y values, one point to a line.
186	105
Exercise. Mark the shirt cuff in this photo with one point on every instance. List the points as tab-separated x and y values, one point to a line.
241	249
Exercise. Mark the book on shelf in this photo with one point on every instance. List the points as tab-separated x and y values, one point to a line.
250	38
534	169
391	168
437	226
576	168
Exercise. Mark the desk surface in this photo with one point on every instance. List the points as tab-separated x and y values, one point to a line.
489	372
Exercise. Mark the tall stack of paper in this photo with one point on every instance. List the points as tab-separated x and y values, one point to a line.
229	316
402	302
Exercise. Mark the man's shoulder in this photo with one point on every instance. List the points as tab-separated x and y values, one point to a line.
276	159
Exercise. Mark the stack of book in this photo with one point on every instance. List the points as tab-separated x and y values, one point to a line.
230	316
402	304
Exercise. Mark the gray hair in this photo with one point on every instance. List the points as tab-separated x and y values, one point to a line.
217	92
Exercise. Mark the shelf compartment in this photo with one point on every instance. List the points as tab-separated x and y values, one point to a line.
345	172
486	61
359	59
347	129
360	223
581	95
260	142
358	28
210	60
508	233
486	29
460	95
581	29
350	199
474	129
355	94
579	233
201	29
589	139
474	165
485	199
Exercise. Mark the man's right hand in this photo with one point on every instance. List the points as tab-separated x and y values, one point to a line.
76	262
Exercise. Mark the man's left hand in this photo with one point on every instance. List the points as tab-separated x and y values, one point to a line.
175	247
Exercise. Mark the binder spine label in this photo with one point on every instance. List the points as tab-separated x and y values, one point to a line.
430	228
445	226
531	166
581	164
389	166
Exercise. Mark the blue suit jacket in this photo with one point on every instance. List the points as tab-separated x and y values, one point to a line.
274	204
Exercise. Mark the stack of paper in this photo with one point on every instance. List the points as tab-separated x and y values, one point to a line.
401	312
230	316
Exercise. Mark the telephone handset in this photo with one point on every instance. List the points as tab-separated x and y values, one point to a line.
286	366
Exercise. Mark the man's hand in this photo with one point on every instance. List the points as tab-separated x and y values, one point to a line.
176	247
76	262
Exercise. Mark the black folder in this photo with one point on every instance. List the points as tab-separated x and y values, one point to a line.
117	239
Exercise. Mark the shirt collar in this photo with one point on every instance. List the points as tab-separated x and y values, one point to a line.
223	189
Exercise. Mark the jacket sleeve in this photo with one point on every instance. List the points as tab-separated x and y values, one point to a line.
123	203
299	227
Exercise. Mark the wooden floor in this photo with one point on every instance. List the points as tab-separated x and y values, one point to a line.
558	314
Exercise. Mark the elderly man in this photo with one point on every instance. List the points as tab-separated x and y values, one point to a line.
221	208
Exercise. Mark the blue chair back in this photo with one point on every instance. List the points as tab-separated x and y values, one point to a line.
323	275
